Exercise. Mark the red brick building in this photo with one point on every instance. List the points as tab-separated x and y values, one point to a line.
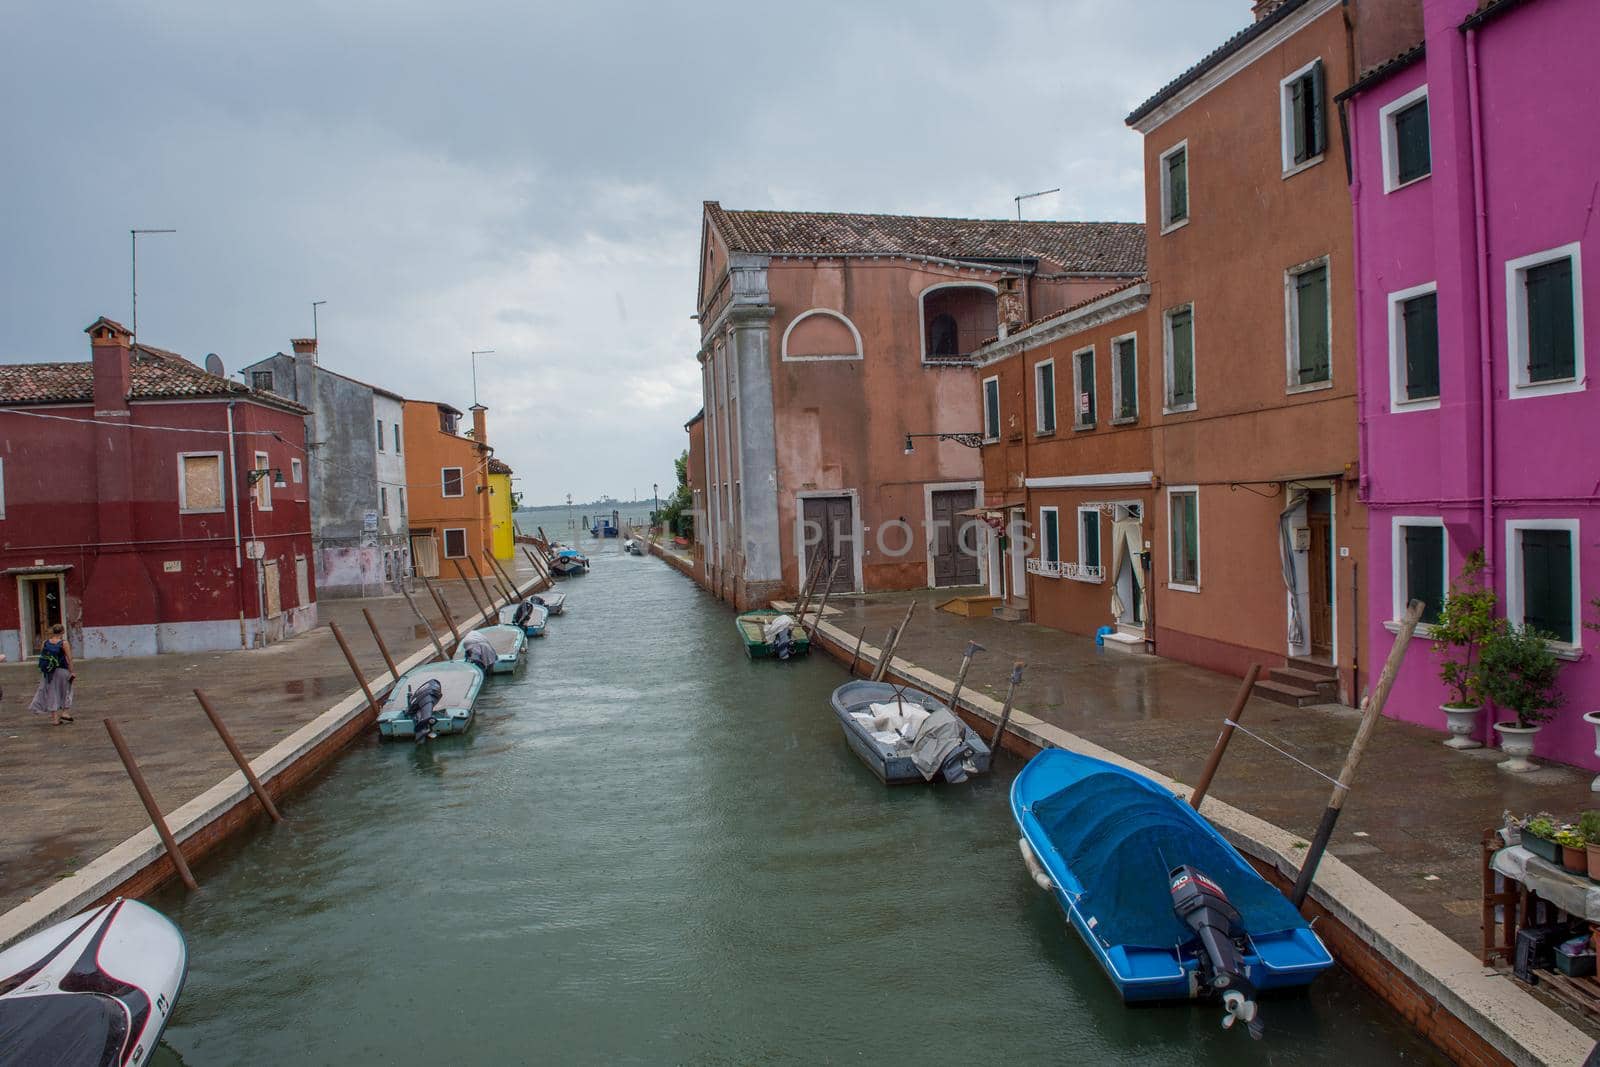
149	505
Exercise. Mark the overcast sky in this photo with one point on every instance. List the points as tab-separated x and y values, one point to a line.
525	176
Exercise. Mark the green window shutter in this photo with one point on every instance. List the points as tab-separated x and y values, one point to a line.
1185	539
1424	547
1047	398
1178	186
1316	122
1411	142
991	396
1547	581
1301	132
1085	407
1052	537
1089	524
1182	328
1311	291
1552	337
1421	320
1126	373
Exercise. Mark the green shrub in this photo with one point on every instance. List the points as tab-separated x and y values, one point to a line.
1518	671
1466	622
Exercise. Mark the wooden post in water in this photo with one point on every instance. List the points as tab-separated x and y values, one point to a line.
150	806
833	572
426	624
857	657
539	572
1358	748
444	613
1235	713
973	648
394	670
494	580
488	611
467	582
355	667
1005	710
238	757
894	640
807	587
515	594
883	657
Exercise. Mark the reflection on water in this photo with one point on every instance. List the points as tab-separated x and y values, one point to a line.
651	850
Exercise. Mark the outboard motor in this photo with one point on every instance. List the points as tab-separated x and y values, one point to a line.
524	611
1201	904
479	652
420	703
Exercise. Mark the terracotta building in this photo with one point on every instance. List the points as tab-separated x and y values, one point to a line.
149	505
836	375
447	474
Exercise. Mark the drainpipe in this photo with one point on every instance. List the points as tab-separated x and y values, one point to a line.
233	498
1481	253
1364	480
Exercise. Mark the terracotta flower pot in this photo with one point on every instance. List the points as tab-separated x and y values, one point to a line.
1593	855
1575	860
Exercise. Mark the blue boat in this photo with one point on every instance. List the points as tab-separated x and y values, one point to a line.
556	602
891	757
509	642
568	561
534	621
1170	909
460	682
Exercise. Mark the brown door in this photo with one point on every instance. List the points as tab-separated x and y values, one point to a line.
954	564
45	594
835	518
1319	574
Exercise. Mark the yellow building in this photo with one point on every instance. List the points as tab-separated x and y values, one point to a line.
502	537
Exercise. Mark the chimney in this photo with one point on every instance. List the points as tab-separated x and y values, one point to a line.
305	346
110	343
480	424
1263	8
1010	310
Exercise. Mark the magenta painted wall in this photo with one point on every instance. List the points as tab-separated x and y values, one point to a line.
1540	151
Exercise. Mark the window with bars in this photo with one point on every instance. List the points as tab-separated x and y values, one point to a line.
1083	381
1183	536
1175	185
1045	388
1308	326
1422	563
1180	357
1304	126
1418	335
1125	379
1546	581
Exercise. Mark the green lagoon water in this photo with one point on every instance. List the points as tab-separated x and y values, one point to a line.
651	850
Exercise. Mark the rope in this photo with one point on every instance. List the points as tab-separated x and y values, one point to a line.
1287	755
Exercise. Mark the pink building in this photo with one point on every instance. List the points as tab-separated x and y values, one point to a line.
1475	155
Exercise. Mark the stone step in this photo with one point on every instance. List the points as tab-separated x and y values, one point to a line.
1125	642
1314	666
1284	693
1324	685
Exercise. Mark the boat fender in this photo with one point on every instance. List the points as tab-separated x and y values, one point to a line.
1041	877
1100	635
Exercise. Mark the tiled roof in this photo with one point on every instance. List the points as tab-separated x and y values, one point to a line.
1372	75
156	375
1074	247
498	466
1215	56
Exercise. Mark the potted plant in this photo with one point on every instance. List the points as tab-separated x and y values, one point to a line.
1539	837
1466	621
1589	827
1518	671
1573	856
1593	717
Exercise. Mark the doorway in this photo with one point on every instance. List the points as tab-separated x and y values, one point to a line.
42	598
827	529
1018	535
1319	573
955	558
1127	555
1308	539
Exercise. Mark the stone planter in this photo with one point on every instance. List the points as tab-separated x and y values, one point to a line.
1593	719
1463	724
1517	742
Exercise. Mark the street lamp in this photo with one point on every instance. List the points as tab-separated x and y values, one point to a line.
655	516
971	440
476	352
275	473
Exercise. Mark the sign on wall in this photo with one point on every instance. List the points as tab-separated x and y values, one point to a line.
369	521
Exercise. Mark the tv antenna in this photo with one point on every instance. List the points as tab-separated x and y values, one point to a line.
133	239
314	305
1029	196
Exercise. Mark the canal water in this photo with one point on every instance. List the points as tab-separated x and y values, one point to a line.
651	850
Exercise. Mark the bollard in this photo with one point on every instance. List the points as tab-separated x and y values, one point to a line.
394	671
355	667
856	658
1005	711
149	802
1234	714
238	757
444	613
961	676
482	611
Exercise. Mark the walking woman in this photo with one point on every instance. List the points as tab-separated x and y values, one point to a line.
54	697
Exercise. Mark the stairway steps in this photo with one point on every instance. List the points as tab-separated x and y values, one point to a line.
1295	696
1324	685
1312	666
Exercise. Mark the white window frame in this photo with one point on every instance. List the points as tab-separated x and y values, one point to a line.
1168	225
297	471
1173	583
1398	572
1100	544
1167	406
380	435
922	311
1291	325
1517	323
1397	354
1286	124
183	489
1038	398
996	422
444	542
1116	378
461	480
1077	388
1514	590
263	486
1391	147
783	346
1043	556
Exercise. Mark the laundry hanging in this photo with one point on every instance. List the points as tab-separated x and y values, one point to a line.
1297	500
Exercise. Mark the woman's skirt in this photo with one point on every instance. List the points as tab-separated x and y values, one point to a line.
55	693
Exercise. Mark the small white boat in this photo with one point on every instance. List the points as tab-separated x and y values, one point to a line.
508	643
93	991
633	547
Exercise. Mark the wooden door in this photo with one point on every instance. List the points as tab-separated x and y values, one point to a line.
1319	575
274	591
45	596
954	564
834	516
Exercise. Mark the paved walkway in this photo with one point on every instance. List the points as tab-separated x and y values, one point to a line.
1412	823
67	796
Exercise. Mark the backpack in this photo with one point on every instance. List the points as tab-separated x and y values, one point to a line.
49	662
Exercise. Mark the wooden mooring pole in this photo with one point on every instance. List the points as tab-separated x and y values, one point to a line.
833	573
1005	709
149	801
857	657
883	657
540	571
973	648
432	636
488	611
894	642
238	757
355	667
515	593
483	612
807	586
394	670
1235	713
1358	748
444	613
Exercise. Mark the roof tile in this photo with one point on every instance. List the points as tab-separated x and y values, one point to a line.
156	375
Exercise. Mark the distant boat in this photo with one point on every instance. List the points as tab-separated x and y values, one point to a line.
535	615
555	603
95	990
633	547
1167	906
944	747
508	642
460	684
759	643
569	561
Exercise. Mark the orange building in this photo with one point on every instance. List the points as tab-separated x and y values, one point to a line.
448	477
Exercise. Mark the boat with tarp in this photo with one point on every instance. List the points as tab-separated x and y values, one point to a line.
529	616
506	643
1166	904
445	693
905	735
769	634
